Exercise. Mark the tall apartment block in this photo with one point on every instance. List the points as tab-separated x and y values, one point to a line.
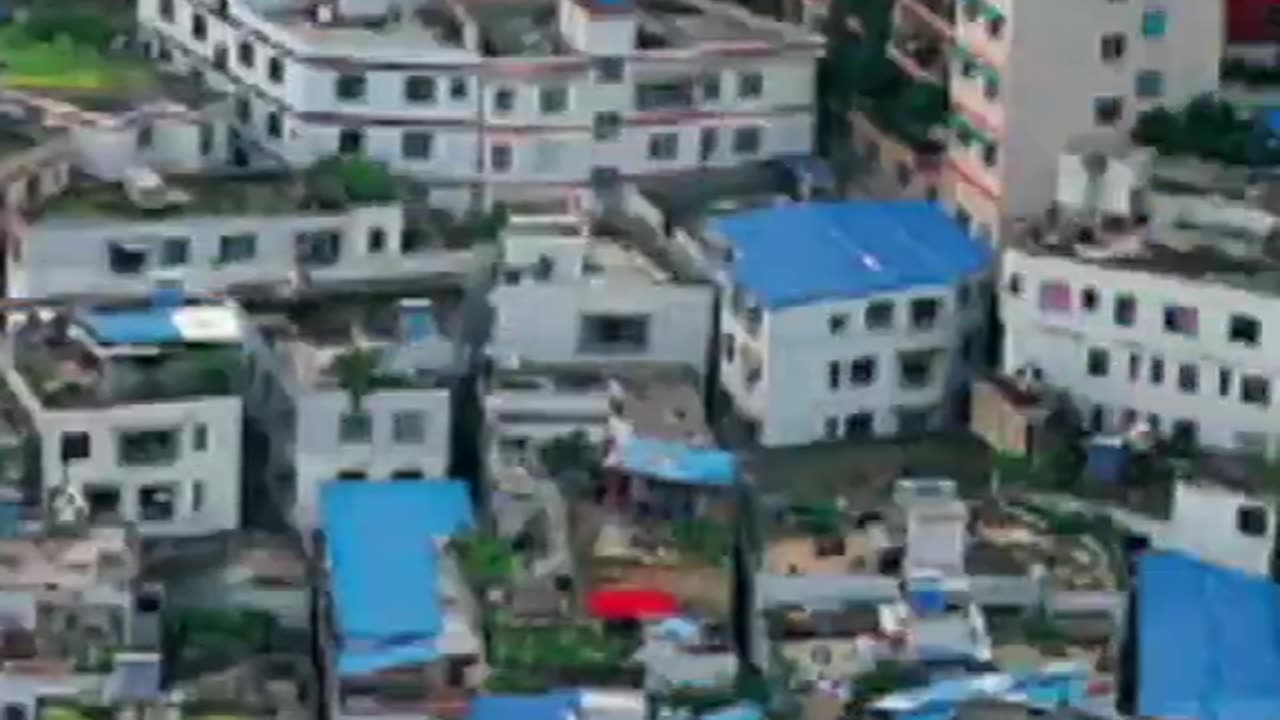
1026	76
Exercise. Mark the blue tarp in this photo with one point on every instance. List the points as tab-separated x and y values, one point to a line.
554	705
151	326
675	462
737	711
1209	641
367	662
806	252
381	539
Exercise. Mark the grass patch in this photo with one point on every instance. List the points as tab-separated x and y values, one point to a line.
533	658
63	64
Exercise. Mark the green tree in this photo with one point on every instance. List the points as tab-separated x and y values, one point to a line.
571	459
356	369
339	180
486	561
702	539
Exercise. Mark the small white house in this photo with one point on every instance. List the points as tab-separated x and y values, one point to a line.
1228	522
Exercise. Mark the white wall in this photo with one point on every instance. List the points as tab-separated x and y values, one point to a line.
1203	523
541	322
1059	344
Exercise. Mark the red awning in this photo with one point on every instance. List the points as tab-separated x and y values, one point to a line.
632	604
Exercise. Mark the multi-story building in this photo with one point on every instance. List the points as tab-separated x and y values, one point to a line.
353	389
260	233
531	96
849	319
1148	295
137	408
1026	76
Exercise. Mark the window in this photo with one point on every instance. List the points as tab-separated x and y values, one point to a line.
1113	47
156	502
664	146
245	54
220	57
878	315
504	100
146	135
103	502
408	427
349	87
500	157
1244	329
1224	382
458	88
175	251
1014	285
244	109
1099	362
126	259
197	496
317	248
915	369
1188	378
553	100
416	144
729	342
1181	320
149	447
274	125
708	141
614	333
1125	310
710	88
833	375
355	428
913	421
206	139
200	437
350	141
862	371
199	26
1155	372
237	248
991	87
1089	299
924	313
1255	390
75	446
166	10
831	428
837	323
275	69
1154	23
609	70
746	140
1149	84
1251	520
903	172
995	26
1108	110
1055	297
1135	366
607	126
420	89
990	154
750	85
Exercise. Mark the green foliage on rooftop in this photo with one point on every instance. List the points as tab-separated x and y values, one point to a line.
486	561
1208	128
338	181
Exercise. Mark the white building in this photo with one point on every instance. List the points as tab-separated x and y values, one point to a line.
1025	76
137	409
1149	297
398	428
1224	521
849	319
535	95
566	297
215	234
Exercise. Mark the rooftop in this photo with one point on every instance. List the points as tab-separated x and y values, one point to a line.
675	462
55	563
808	252
518	29
393	28
156	351
685	23
383	542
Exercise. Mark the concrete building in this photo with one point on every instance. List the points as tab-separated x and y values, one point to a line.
306	358
1253	31
848	319
1025	76
138	411
1147	295
567	297
261	233
490	92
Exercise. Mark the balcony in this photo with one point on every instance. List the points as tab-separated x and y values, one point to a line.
938	15
920	55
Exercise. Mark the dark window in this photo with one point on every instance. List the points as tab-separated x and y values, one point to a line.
995	26
1255	390
416	144
275	69
915	369
711	88
1251	520
1156	373
317	248
833	375
924	313
837	324
664	146
350	141
831	428
1099	362
156	502
746	140
990	154
349	87
1014	284
1112	47
1188	378
1148	84
1089	299
166	10
458	88
220	57
862	371
377	240
504	100
708	141
857	425
103	502
355	428
1107	111
200	437
750	85
607	126
75	445
1181	320
149	447
199	26
500	157
175	251
126	259
878	315
244	109
609	70
420	89
1244	329
1135	366
614	333
275	128
146	136
1224	382
553	100
1125	310
245	54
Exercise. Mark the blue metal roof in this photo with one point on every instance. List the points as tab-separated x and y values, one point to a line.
675	462
796	254
1209	641
357	662
381	539
151	326
553	705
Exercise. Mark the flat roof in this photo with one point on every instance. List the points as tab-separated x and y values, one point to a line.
808	252
258	194
516	28
685	23
415	26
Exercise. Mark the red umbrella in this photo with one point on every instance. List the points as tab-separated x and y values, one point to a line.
632	604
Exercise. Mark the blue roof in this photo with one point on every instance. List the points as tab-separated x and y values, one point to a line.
359	661
554	705
1271	119
151	326
737	711
675	462
381	540
1209	641
801	253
